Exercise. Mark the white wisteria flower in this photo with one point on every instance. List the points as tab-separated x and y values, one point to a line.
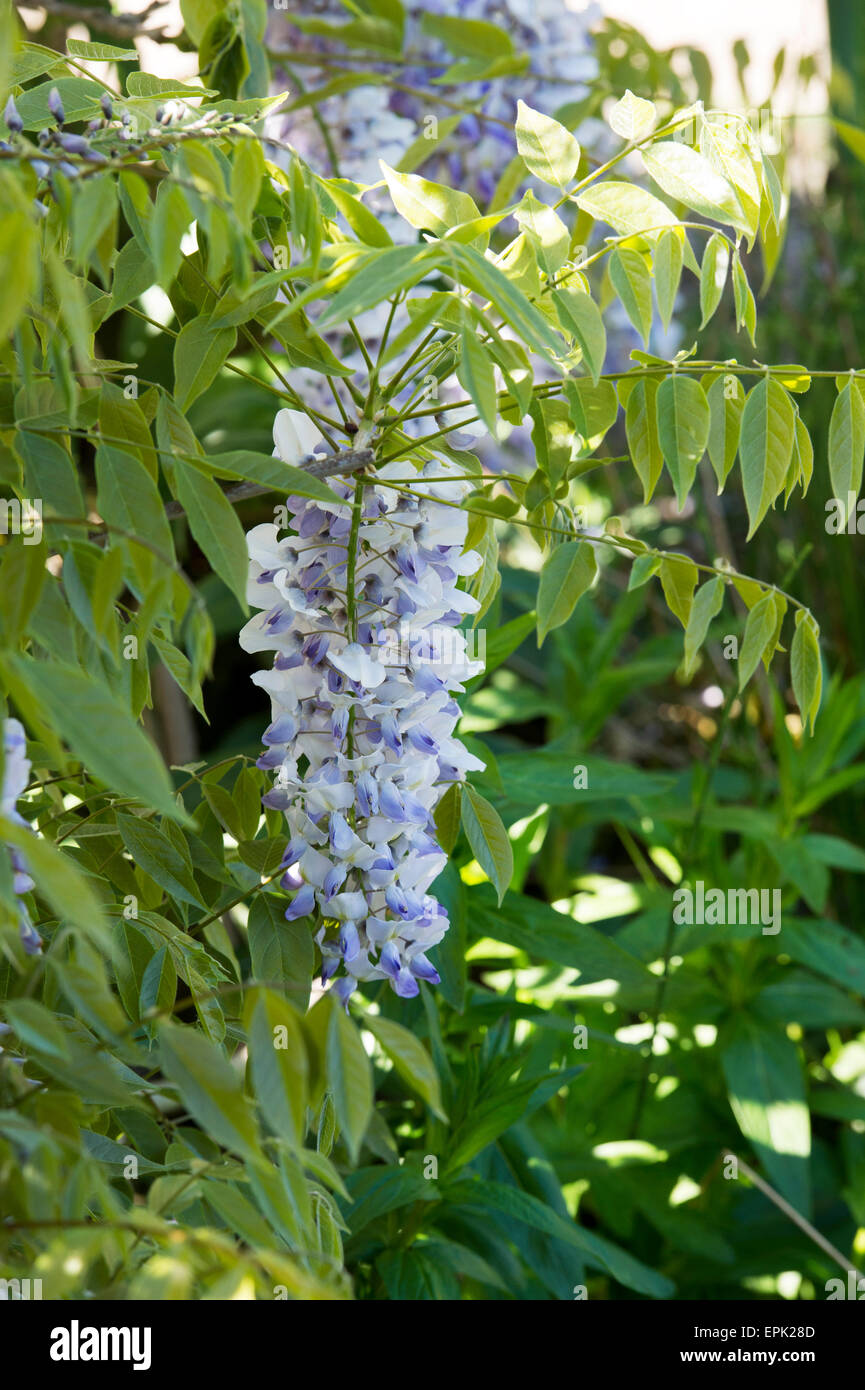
361	737
294	436
16	775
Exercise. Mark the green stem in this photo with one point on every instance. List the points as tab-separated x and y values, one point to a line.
351	589
670	934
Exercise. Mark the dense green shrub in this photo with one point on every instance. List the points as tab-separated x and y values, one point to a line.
623	1042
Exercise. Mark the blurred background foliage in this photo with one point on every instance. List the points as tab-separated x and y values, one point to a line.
696	1042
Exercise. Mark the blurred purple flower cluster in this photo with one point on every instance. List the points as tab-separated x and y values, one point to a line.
379	119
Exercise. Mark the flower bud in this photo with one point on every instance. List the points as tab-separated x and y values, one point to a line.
55	106
12	118
73	144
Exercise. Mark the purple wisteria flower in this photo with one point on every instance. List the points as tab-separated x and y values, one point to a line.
361	602
16	775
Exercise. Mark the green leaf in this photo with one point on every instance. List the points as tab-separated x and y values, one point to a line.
124	419
447	817
669	255
592	408
630	278
644	568
70	294
137	207
239	1213
806	668
31	59
679	580
36	1027
632	117
729	155
767	1095
214	524
410	1059
358	216
713	275
847	442
251	467
200	350
278	1062
22	578
547	778
683	429
157	856
80	98
197	15
100	52
349	1078
50	475
133	951
488	839
828	949
803	451
545	230
504	640
641	429
98	728
799	998
145	84
92	211
549	151
568	572
303	347
726	397
57	879
759	633
159	984
211	1089
378	275
282	953
170	222
474	38
18	248
247	172
765	447
431	207
133	274
512	1201
707	604
628	209
482	276
129	499
241	302
475	373
689	178
419	1274
179	666
580	317
743	297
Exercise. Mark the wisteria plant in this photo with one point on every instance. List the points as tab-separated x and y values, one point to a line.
257	1035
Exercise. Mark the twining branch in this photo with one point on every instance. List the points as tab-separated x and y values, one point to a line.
119	26
346	462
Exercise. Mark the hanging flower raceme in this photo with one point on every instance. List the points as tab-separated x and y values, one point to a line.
16	775
361	603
